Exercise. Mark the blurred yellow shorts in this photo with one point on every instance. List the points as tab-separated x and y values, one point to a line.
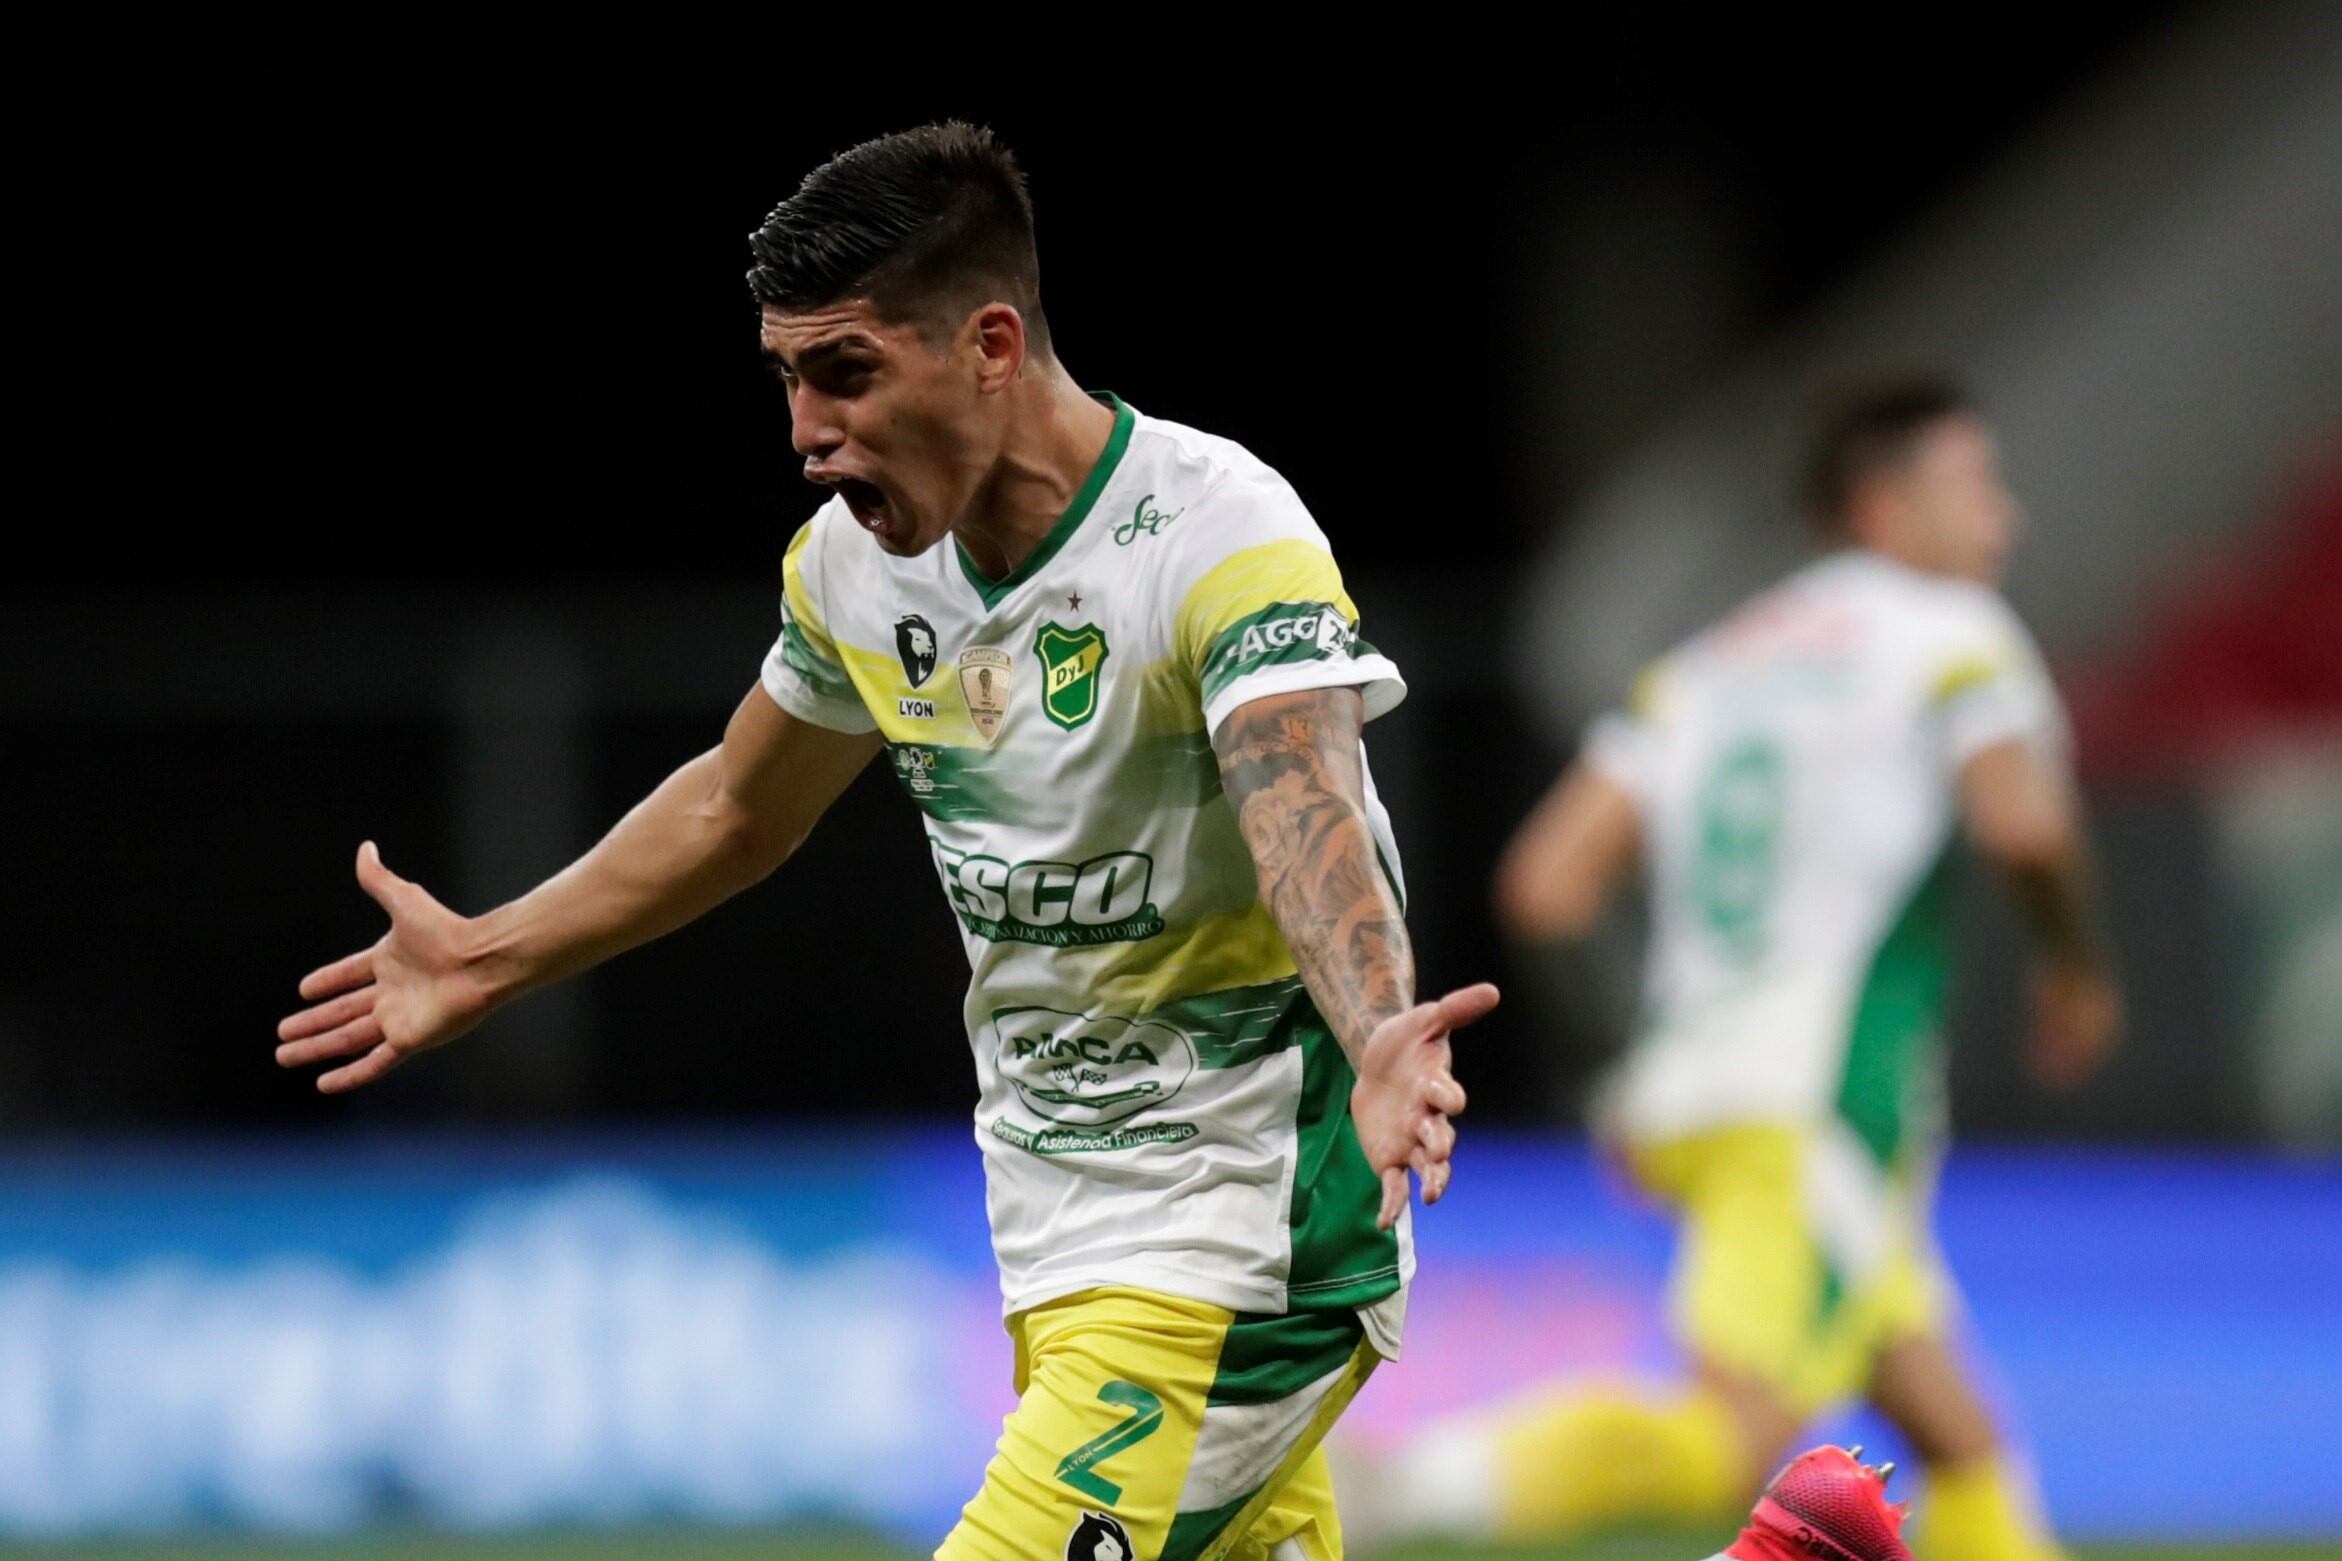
1147	1425
1799	1258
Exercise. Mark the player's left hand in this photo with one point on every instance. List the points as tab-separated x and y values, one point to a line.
1405	1095
2077	1013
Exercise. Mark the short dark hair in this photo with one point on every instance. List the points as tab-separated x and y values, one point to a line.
928	224
1870	429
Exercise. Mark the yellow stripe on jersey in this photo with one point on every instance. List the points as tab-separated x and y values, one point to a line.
1288	570
1237	948
1650	685
878	678
801	607
1966	673
1166	697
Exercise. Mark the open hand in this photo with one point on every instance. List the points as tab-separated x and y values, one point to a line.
1405	1095
2077	1018
413	990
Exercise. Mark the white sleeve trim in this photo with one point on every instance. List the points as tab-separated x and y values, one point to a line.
1616	749
790	692
1979	719
1377	676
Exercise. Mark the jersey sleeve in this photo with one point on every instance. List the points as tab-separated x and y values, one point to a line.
1261	610
803	672
1622	746
1986	683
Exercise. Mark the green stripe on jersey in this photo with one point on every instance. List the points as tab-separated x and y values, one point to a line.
1192	1533
1898	1017
1339	1259
823	675
981	785
1277	635
1244	1023
954	784
1266	1357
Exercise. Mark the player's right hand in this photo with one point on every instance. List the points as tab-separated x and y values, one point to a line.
413	990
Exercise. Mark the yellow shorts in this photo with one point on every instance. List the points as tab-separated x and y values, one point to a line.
1150	1426
1799	1260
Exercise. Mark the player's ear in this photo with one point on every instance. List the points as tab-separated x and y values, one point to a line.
997	333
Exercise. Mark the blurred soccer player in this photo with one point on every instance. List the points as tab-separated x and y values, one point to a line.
1791	783
1113	664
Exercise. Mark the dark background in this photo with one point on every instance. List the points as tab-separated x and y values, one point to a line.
347	381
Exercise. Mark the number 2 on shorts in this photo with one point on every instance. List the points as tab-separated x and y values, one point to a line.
1146	1418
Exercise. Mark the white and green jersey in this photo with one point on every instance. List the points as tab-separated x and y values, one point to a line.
1795	769
1159	1104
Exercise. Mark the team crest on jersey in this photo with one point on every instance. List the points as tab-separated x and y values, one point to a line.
915	643
984	684
1099	1537
1070	659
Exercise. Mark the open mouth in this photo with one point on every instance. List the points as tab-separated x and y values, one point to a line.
866	501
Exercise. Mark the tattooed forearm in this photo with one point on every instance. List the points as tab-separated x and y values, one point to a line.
1291	767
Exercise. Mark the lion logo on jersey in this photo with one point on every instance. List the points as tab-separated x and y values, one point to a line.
915	643
1099	1537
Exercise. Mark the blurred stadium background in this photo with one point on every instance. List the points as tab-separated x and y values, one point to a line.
425	486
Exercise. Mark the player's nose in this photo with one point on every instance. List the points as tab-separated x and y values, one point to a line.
814	428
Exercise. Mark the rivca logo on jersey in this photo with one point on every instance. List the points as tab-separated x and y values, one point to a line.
1099	1536
915	644
1083	1073
1070	659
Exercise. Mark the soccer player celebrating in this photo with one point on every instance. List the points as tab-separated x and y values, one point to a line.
1791	782
1112	662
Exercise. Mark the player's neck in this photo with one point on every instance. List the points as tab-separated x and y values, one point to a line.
1056	437
1895	551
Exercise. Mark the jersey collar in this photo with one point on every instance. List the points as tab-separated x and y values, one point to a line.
994	591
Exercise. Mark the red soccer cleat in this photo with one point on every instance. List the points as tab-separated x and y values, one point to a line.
1825	1505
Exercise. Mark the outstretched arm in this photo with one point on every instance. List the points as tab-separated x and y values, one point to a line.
1567	858
1293	769
715	826
2023	812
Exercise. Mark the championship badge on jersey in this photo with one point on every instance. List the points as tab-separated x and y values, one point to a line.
984	682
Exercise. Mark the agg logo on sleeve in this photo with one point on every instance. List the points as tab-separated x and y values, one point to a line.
1279	633
1290	630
